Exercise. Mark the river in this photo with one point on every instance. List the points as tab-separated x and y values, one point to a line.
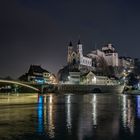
69	117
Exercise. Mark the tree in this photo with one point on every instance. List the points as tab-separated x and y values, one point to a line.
101	66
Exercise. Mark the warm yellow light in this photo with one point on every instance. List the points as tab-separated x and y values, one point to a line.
18	83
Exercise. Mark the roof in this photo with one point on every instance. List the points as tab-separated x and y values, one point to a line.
75	70
79	42
85	74
109	51
70	44
36	69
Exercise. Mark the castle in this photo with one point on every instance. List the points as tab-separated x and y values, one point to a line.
108	53
76	57
99	62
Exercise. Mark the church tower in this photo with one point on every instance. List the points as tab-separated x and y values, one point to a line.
70	50
79	52
79	48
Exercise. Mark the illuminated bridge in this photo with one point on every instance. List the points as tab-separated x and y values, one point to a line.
40	88
20	84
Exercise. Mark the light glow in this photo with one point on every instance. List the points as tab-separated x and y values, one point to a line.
18	83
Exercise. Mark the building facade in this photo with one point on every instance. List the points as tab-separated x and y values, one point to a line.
36	74
107	53
76	57
111	56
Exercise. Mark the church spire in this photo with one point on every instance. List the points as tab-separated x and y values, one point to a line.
70	51
70	44
79	42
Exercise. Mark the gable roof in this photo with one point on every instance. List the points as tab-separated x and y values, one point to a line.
36	69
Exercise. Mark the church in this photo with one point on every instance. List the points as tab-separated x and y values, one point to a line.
78	64
76	57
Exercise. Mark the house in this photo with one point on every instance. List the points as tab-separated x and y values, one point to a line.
36	74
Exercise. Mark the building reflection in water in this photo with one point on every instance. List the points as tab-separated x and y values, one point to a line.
94	109
40	112
90	112
50	116
46	115
124	110
68	113
128	113
87	116
138	106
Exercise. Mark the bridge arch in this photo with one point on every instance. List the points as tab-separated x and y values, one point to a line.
19	83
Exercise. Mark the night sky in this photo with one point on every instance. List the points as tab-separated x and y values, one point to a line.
38	31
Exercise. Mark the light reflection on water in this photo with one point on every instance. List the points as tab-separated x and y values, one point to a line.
128	113
40	112
53	116
94	110
138	106
68	113
50	116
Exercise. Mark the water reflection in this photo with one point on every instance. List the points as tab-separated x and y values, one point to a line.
94	109
70	116
68	113
50	116
46	115
93	113
87	116
18	98
128	113
124	110
138	106
40	110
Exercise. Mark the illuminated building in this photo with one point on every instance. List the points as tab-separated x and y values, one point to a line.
76	57
127	63
36	74
101	62
74	76
107	53
91	78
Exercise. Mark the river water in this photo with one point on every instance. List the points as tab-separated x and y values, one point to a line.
69	117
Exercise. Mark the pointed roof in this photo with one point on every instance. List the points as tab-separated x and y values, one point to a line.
36	69
79	42
70	44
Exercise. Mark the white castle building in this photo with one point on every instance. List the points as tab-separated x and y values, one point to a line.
77	57
95	62
111	56
108	53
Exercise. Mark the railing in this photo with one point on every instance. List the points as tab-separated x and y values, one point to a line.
19	83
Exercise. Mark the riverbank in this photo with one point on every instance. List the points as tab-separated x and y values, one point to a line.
132	92
18	98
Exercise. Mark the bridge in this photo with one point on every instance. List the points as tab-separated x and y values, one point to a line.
40	88
20	84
